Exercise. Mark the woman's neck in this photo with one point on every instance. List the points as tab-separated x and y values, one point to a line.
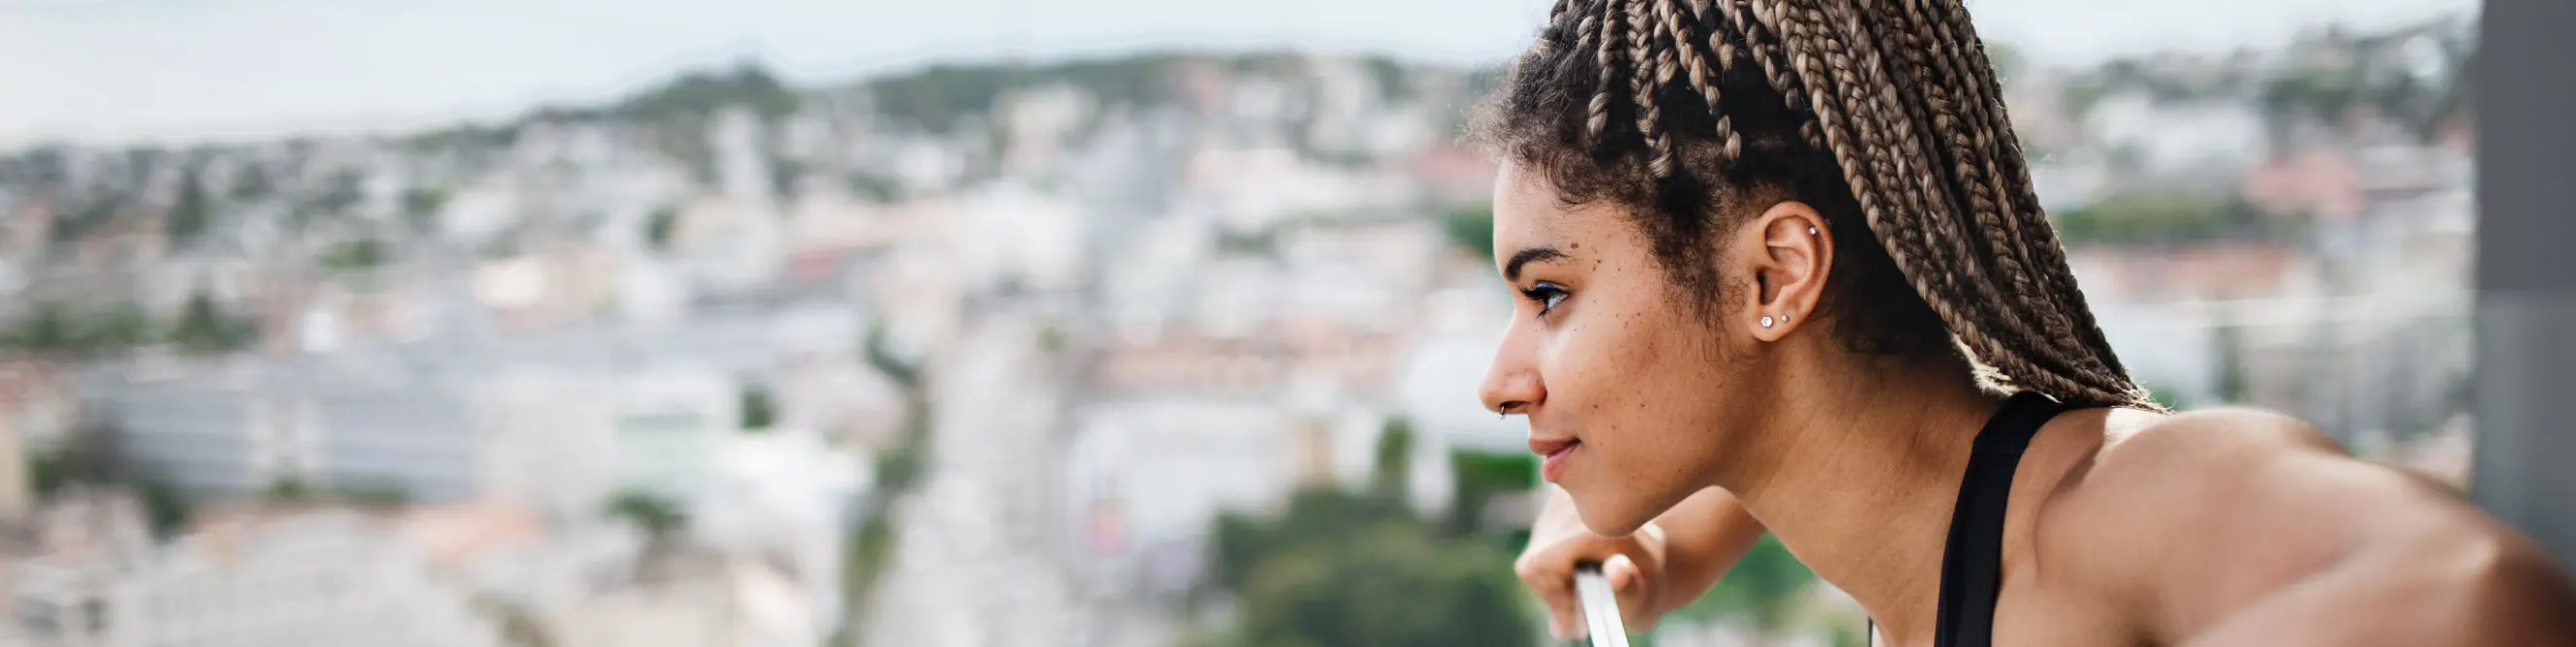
1861	487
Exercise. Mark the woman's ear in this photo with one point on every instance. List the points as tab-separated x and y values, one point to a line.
1792	253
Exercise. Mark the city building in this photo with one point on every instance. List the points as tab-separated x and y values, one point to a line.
669	427
785	497
729	603
323	578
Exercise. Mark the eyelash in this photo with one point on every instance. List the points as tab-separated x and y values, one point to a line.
1546	295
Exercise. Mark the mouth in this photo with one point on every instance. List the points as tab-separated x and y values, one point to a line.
1556	453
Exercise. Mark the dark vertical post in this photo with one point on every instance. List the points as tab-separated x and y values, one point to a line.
2526	269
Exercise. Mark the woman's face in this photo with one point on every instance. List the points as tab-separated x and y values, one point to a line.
1628	391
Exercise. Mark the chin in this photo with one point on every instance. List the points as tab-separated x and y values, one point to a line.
1610	514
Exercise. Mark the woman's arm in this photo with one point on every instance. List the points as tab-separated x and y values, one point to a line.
2460	588
1704	536
2236	528
1668	564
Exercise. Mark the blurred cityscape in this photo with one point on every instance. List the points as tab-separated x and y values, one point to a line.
1156	350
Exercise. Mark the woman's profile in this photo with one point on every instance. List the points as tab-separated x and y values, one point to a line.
1782	270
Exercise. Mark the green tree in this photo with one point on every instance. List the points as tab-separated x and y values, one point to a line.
80	222
118	327
375	494
698	95
880	356
93	456
876	188
2157	217
287	489
659	226
783	175
206	329
902	466
1477	477
341	194
251	183
1394	470
60	329
354	256
1389	585
48	328
1343	568
420	208
658	517
90	455
1766	589
1471	230
759	413
2231	362
192	215
164	506
870	550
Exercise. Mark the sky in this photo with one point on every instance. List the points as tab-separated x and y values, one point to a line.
177	71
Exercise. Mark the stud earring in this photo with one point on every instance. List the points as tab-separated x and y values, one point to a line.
1766	321
1811	231
1784	317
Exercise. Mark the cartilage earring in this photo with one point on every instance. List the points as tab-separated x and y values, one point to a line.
1811	231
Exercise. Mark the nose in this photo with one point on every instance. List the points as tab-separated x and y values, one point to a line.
1512	384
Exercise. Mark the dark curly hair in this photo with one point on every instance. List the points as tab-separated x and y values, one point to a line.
1884	115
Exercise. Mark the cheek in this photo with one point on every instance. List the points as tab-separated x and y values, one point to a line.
1646	395
1636	376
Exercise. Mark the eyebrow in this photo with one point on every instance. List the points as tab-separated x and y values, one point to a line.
1512	268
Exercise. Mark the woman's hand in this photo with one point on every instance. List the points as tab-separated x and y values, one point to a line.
1633	564
1665	565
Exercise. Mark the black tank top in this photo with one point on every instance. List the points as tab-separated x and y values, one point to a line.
1972	566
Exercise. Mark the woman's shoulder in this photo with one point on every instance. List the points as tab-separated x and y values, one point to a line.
2217	469
2229	504
2158	446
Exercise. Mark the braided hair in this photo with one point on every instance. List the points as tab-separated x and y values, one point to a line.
1885	115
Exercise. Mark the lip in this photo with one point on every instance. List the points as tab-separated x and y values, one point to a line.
1557	452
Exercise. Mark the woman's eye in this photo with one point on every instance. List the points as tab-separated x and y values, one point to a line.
1546	295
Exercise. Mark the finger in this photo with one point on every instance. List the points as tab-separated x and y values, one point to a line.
1629	583
1552	580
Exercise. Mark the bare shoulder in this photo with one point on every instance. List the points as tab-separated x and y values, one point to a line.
2192	517
2221	469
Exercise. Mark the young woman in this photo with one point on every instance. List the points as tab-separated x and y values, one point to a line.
1783	271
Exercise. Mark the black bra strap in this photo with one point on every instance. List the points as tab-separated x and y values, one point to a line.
1972	562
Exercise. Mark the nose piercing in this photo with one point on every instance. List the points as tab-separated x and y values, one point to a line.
1766	321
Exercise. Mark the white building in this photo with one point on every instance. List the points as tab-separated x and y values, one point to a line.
1012	235
546	439
785	496
669	428
565	441
2223	139
353	419
729	244
737	604
742	162
324	579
